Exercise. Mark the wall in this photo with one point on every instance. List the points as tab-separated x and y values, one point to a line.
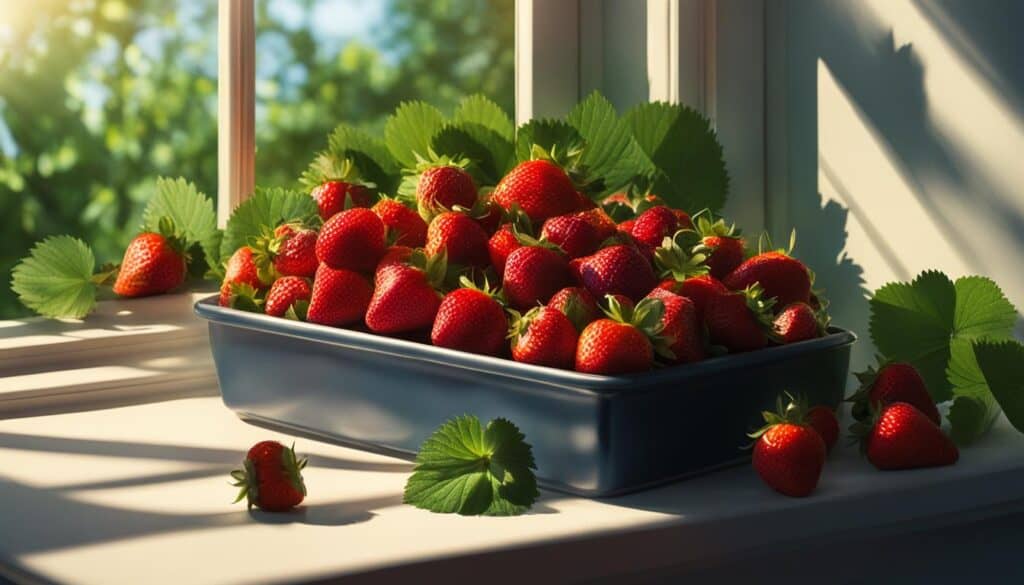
895	142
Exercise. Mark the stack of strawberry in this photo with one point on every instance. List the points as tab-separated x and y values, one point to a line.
532	269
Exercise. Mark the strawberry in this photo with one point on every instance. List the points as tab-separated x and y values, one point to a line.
540	188
339	297
288	292
333	197
722	244
624	342
892	382
153	263
788	453
404	225
683	219
603	224
406	296
740	320
799	322
685	333
533	274
471	319
823	420
271	477
686	274
461	237
544	336
442	186
626	227
654	225
394	255
501	245
577	304
351	240
616	269
294	251
241	269
699	289
900	436
489	215
782	277
576	236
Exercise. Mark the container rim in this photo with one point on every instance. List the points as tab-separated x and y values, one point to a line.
209	309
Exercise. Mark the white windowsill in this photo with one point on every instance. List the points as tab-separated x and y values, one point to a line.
126	352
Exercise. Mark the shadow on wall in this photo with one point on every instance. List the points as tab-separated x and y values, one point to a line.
928	196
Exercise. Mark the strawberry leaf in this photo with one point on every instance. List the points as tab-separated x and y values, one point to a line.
410	131
371	157
477	109
1000	365
611	157
551	135
690	169
489	152
190	210
265	210
933	323
466	469
56	279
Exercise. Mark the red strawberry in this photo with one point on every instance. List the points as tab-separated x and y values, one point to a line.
351	240
153	263
540	188
823	420
462	237
533	274
699	289
798	322
241	269
721	244
394	255
687	274
501	245
683	219
339	297
680	326
471	319
294	251
285	293
442	187
616	269
404	225
271	477
654	225
406	296
623	343
902	437
626	227
577	304
603	225
789	455
489	215
782	277
544	336
892	382
739	321
576	236
333	197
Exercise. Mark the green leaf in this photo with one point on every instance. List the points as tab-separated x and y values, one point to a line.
56	279
191	211
1000	364
548	134
477	109
410	131
465	469
933	324
684	149
266	209
490	153
369	154
611	157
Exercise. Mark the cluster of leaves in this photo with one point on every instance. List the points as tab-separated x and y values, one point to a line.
667	149
959	336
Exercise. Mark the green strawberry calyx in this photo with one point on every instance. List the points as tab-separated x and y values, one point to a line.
494	292
520	323
435	267
646	316
673	261
861	408
246	298
247	482
328	167
789	409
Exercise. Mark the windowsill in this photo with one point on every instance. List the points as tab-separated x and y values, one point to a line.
127	351
139	494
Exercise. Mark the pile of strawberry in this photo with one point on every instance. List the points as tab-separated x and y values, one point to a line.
531	270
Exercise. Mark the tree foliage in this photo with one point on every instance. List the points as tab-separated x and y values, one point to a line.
99	97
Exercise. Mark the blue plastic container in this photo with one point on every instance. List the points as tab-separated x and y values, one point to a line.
591	435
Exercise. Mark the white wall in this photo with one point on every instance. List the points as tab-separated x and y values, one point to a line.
895	142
